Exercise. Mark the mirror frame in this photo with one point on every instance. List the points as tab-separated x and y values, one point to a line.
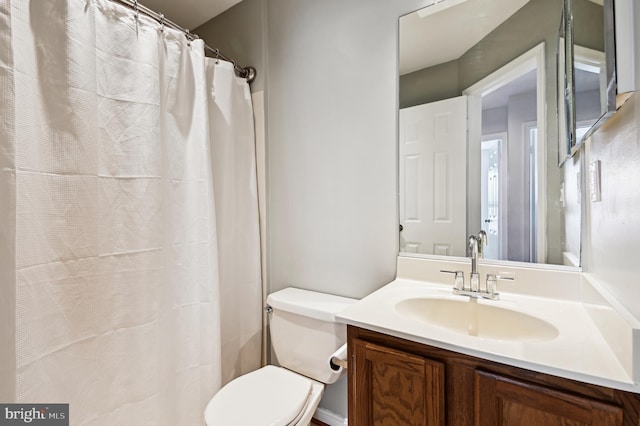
574	144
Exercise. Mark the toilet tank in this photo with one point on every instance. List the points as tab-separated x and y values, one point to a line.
304	333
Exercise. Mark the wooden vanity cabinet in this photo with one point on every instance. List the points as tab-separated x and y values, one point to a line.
392	387
397	382
503	400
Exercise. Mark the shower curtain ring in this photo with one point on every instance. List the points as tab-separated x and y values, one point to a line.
217	56
162	22
188	37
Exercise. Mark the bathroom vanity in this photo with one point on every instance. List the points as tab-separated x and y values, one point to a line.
395	381
555	353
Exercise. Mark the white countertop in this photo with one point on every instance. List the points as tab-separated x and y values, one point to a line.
579	352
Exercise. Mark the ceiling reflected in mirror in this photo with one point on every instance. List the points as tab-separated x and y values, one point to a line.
472	20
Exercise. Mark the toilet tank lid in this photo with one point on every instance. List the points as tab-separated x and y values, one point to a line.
312	304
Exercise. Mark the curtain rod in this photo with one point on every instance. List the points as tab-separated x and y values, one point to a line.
249	73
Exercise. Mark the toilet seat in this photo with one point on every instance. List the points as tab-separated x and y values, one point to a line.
271	396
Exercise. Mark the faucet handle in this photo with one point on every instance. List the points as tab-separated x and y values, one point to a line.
492	286
458	278
504	277
494	277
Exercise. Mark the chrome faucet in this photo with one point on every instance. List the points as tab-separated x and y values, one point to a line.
475	249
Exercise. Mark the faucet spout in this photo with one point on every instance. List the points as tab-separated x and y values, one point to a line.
482	242
475	249
472	251
476	246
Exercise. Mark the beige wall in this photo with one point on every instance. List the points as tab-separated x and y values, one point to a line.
332	108
429	85
613	225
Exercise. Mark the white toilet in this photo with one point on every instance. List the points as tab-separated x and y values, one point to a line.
304	335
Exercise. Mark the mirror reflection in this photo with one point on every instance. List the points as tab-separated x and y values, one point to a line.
478	144
593	76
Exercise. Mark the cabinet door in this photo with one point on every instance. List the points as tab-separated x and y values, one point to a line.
503	401
390	387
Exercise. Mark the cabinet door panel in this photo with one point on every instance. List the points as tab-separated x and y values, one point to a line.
395	388
503	401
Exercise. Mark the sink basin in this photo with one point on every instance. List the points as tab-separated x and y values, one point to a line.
467	316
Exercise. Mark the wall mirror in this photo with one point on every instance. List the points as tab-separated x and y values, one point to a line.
589	75
478	132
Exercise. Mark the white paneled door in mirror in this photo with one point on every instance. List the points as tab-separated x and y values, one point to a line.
433	145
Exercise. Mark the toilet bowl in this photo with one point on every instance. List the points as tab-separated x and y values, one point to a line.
268	396
304	336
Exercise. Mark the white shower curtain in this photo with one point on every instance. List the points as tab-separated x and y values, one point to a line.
235	183
109	283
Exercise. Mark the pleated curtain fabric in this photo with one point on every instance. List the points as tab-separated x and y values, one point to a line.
110	279
236	196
